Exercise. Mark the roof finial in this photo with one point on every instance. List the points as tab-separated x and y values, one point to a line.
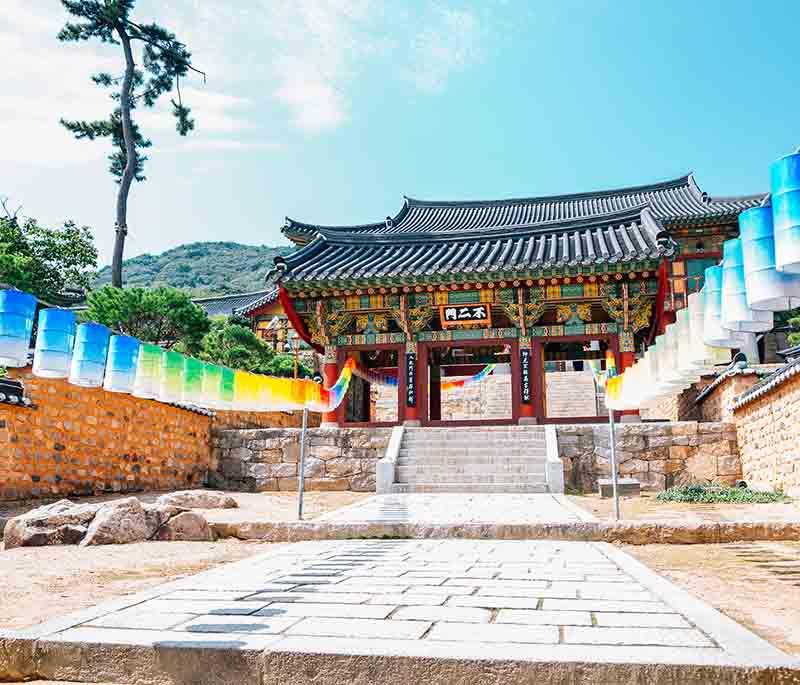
389	222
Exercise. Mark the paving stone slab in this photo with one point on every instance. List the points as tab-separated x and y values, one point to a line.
405	633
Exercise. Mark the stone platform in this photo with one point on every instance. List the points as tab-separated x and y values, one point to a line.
395	612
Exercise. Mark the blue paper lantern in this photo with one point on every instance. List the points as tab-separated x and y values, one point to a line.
714	333
123	353
785	186
767	288
54	341
17	310
736	314
89	355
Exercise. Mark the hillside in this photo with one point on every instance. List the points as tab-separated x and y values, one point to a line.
210	268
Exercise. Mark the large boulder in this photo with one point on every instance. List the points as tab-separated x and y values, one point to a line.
60	523
188	525
156	515
117	523
198	499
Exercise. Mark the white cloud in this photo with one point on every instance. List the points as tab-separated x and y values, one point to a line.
228	145
450	44
319	45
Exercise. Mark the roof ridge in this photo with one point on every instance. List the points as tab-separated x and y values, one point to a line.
292	223
210	298
625	190
641	212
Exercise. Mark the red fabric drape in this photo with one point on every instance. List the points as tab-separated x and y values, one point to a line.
661	297
295	320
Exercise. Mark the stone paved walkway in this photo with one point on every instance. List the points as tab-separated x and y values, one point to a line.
462	508
514	601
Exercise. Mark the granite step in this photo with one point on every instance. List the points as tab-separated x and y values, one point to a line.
487	488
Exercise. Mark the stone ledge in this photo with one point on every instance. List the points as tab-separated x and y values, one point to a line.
642	532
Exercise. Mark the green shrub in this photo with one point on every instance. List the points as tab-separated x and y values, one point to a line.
708	494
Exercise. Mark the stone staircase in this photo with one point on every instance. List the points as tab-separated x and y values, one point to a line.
480	459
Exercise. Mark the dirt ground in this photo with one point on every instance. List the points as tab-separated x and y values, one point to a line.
755	583
39	583
269	506
648	507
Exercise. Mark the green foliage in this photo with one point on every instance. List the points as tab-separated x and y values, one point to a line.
710	494
211	268
44	261
236	346
165	316
165	60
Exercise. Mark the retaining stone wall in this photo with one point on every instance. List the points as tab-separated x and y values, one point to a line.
659	455
267	459
81	441
768	431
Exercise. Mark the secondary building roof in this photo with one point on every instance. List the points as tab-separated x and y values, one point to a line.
676	202
237	303
338	257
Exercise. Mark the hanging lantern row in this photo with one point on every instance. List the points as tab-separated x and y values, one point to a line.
88	355
759	275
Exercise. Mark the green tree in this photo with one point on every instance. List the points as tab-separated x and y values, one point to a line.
44	261
231	344
165	316
165	60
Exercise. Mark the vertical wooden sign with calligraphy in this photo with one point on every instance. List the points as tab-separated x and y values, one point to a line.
411	379
525	374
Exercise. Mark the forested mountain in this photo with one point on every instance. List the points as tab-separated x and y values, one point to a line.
209	268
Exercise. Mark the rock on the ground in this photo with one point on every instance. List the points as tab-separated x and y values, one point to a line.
156	515
198	499
60	523
118	522
187	526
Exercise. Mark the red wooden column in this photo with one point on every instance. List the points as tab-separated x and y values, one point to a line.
409	367
330	374
626	360
525	382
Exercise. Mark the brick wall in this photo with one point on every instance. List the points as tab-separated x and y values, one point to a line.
84	440
718	404
768	431
265	460
658	455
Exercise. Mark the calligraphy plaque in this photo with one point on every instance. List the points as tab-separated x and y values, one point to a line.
411	379
461	314
525	374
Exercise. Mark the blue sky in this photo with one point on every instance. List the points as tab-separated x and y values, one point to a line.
331	110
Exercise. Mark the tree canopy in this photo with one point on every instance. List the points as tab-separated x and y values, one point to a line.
230	344
165	316
45	261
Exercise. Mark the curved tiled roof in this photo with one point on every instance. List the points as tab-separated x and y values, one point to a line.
225	305
267	298
335	256
678	200
766	385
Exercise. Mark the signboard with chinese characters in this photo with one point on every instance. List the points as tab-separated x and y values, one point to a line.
525	373
459	315
411	379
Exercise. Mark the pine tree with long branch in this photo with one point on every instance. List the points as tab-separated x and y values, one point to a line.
164	61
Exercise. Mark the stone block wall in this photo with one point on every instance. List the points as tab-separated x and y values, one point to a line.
768	430
81	441
659	455
267	460
489	399
572	393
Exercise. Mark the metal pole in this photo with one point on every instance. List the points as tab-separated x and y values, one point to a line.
302	466
613	444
